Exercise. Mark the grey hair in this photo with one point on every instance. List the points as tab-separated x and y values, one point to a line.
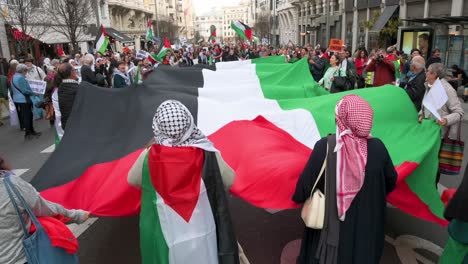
54	62
21	68
419	62
88	59
439	69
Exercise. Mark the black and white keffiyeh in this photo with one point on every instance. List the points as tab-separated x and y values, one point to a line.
173	125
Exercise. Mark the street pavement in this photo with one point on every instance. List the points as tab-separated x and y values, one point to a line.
266	238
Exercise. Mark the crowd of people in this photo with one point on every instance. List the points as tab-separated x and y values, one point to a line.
363	158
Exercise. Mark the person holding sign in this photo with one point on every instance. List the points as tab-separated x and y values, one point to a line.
22	97
441	104
449	114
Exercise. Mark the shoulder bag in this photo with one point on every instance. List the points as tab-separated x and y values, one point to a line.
37	246
451	153
340	83
313	211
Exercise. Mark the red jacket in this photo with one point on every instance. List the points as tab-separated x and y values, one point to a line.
360	64
384	72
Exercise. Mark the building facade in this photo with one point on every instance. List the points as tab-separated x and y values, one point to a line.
127	17
204	22
242	13
186	19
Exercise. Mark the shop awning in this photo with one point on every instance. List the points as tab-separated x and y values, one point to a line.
384	17
453	20
118	36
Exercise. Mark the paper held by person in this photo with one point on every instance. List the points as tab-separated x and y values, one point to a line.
435	98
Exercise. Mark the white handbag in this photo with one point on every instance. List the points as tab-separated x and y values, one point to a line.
313	211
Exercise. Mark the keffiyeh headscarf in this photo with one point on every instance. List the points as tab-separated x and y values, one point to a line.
353	126
173	125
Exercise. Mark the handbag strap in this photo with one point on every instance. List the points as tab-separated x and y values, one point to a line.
321	172
10	186
13	201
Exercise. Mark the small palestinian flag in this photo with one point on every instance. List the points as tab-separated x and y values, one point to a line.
149	30
265	124
184	211
212	34
164	49
242	29
102	40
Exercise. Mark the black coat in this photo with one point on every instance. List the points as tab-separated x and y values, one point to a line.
416	89
87	75
317	69
66	96
361	239
457	208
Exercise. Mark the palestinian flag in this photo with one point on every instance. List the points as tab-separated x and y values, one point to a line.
212	34
242	29
102	40
149	30
184	216
164	49
263	115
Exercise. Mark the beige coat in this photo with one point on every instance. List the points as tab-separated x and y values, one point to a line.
452	111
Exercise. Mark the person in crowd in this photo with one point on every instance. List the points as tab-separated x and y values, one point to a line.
384	69
333	71
121	78
11	233
317	65
3	96
73	63
451	112
370	177
217	53
391	56
50	86
166	59
361	64
34	72
21	97
460	75
68	85
202	58
231	56
406	68
295	57
78	59
146	67
348	65
435	58
403	70
178	140
416	84
100	71
87	73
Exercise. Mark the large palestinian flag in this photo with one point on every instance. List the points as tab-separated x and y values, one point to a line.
263	115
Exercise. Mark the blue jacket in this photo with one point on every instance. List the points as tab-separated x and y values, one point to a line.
19	82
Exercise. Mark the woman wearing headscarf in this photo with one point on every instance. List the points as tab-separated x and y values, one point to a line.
184	212
359	175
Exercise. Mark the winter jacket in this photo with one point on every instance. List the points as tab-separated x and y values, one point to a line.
384	72
66	94
20	88
35	73
416	89
87	75
452	111
317	69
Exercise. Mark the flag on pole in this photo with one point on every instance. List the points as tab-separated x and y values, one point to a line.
149	30
242	29
102	40
212	34
164	49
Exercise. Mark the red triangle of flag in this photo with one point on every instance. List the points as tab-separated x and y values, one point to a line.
176	174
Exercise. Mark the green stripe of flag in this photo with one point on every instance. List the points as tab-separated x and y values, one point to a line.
153	245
